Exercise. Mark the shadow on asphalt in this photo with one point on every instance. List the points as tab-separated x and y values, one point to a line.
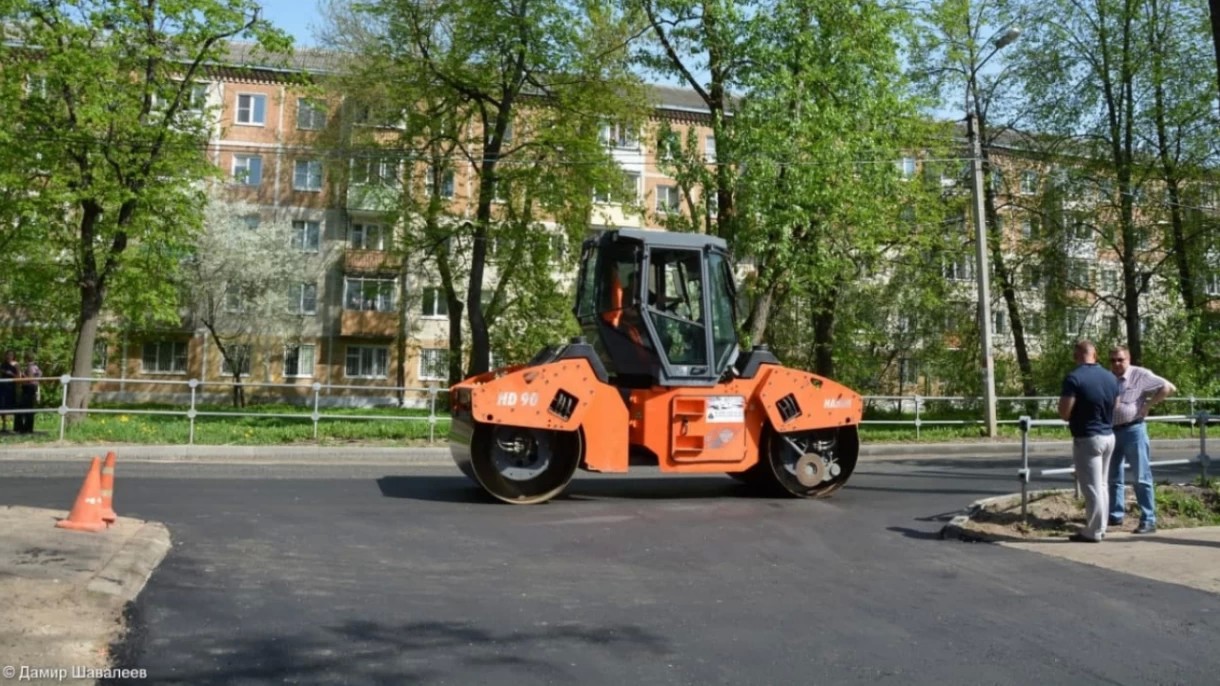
916	534
450	489
373	652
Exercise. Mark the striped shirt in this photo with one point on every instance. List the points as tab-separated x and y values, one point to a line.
1135	387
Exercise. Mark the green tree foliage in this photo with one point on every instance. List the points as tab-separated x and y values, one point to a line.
514	93
105	126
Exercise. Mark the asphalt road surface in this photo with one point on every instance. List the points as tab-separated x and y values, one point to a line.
381	574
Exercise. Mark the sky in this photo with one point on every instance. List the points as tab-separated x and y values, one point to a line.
297	17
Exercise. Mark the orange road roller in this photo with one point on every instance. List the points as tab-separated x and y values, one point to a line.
657	378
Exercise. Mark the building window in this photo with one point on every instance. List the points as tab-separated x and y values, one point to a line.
1079	274
311	114
196	98
251	221
559	248
908	372
238	358
374	171
1029	182
1031	227
997	181
1109	280
298	361
619	136
1077	318
958	268
306	235
999	322
1211	283
307	175
669	200
303	298
251	109
1033	275
1079	230
99	356
247	170
164	357
709	149
235	300
368	295
447	183
434	364
435	303
367	237
907	167
366	362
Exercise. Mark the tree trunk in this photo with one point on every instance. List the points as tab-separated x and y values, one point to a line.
239	391
400	337
80	391
823	335
1214	7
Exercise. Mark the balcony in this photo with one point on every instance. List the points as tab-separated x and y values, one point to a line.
357	261
372	198
362	324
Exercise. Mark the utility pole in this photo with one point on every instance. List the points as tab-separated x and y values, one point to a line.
982	269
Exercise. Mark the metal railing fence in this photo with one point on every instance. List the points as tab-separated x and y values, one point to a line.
1024	474
916	411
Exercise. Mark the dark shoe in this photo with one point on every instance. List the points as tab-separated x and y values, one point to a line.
1080	538
1145	528
1115	522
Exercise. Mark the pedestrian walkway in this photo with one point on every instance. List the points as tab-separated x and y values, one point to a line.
64	591
1188	557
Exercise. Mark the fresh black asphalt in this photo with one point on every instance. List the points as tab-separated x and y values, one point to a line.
362	574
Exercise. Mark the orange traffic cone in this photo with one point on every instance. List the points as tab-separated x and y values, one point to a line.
86	514
108	514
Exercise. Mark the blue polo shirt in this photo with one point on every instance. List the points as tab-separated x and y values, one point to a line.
1095	390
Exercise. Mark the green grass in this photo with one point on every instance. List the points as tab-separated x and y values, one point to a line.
1202	507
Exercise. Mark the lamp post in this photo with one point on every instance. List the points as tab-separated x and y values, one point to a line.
982	263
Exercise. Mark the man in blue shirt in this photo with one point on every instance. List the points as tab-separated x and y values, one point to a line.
1087	403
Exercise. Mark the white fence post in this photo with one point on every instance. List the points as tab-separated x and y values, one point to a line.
191	413
431	415
63	403
317	390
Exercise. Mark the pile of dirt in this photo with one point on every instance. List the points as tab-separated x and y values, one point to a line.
1061	513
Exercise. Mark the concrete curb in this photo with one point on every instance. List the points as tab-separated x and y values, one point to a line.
956	528
125	574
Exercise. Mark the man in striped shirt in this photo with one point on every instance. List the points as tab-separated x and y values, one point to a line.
1139	390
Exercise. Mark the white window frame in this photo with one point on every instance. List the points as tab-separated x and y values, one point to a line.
309	111
367	359
1029	182
383	300
908	167
374	171
361	235
619	136
1211	283
300	295
299	349
196	97
958	267
253	117
302	231
709	149
668	199
235	303
307	175
448	183
241	170
179	351
100	354
1078	316
434	364
433	303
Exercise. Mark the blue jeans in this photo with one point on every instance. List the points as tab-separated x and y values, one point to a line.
1131	446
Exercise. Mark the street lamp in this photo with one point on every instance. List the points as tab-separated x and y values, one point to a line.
982	263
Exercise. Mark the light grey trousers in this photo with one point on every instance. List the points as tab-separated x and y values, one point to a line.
1091	456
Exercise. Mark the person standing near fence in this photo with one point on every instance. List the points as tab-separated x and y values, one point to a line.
1139	390
1087	404
9	371
28	400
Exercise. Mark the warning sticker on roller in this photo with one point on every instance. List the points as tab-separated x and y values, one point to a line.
726	409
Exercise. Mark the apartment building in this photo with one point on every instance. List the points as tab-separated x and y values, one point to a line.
264	128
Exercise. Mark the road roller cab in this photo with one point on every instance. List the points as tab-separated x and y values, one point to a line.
656	379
